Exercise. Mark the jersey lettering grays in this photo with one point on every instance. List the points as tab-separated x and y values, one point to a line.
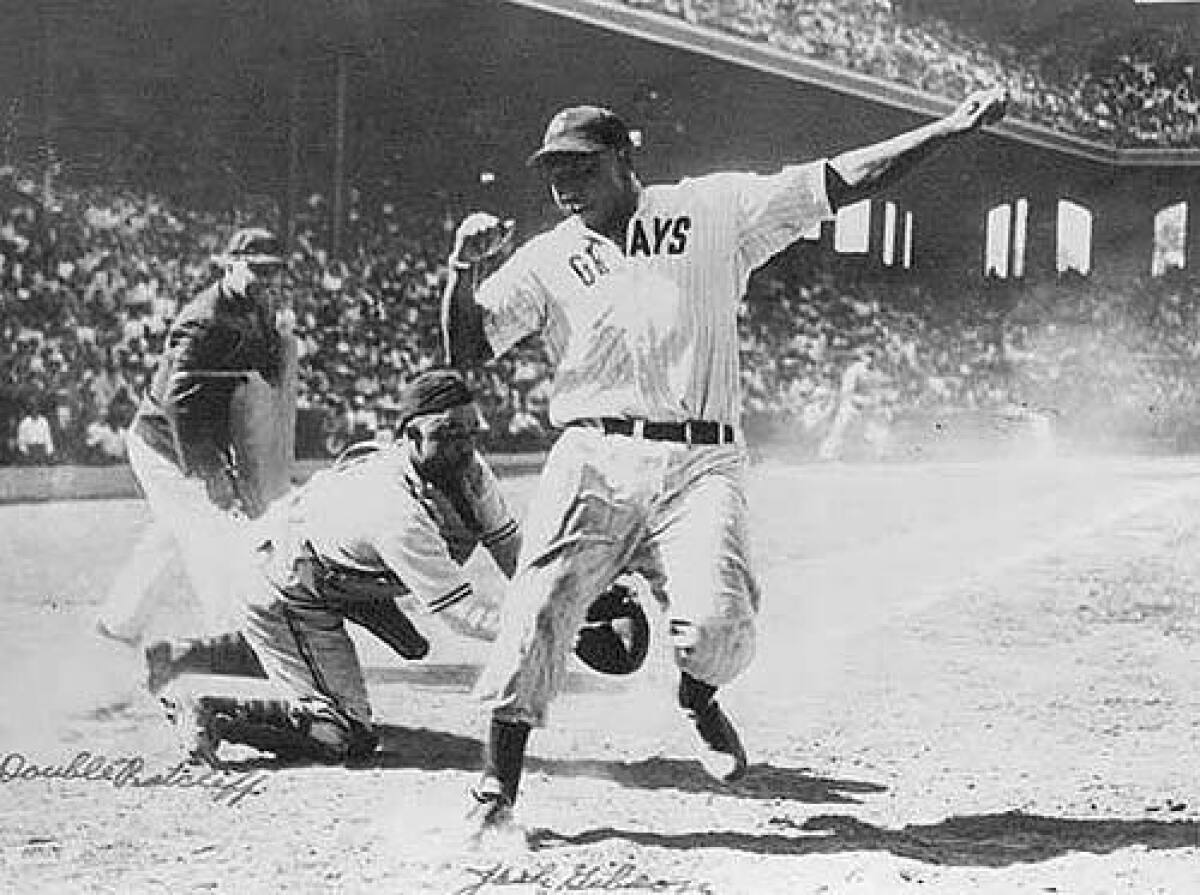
649	329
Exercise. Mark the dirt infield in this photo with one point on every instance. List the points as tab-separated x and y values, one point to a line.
972	678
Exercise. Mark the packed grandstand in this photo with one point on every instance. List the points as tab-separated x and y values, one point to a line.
1145	92
90	288
91	277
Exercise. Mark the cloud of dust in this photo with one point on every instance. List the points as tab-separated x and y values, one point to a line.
1111	362
83	678
1070	366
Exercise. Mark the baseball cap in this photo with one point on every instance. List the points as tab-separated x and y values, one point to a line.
583	129
253	245
432	392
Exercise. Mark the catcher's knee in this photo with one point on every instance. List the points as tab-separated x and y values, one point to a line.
714	651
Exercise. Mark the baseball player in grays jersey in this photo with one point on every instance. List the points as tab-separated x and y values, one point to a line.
635	296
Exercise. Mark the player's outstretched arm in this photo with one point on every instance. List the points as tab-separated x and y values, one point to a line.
860	173
479	237
463	339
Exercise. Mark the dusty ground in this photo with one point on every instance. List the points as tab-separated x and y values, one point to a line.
972	678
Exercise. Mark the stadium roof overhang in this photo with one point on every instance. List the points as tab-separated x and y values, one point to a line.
680	34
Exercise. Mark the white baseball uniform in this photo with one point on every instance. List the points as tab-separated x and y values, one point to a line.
379	530
645	331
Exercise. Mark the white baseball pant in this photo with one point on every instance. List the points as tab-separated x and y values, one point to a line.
215	545
610	503
127	609
303	644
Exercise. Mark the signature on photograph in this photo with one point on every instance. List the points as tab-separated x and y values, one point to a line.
577	878
131	773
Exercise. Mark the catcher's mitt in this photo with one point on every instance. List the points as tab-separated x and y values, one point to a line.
387	621
615	637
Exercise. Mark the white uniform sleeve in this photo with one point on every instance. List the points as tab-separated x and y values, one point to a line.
514	302
775	210
416	551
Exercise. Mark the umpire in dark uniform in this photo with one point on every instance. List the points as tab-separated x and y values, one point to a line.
211	443
219	341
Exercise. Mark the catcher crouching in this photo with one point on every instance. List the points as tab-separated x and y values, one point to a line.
384	522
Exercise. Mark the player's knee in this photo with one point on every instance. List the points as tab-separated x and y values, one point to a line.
342	740
714	651
540	614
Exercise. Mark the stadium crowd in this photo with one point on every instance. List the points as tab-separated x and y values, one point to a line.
1148	96
90	280
1106	361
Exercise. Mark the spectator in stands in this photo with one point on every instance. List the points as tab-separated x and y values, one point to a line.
525	430
1137	99
105	440
35	443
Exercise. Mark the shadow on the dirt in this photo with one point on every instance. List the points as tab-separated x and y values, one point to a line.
461	677
989	840
414	748
763	781
433	750
422	749
431	676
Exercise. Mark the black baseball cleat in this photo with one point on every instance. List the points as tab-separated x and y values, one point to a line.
720	751
363	743
490	823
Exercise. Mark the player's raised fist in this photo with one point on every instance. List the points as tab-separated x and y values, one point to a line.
983	107
479	236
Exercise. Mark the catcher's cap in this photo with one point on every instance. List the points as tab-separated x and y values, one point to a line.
253	245
432	392
583	129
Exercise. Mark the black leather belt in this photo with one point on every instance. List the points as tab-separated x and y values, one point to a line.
687	432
